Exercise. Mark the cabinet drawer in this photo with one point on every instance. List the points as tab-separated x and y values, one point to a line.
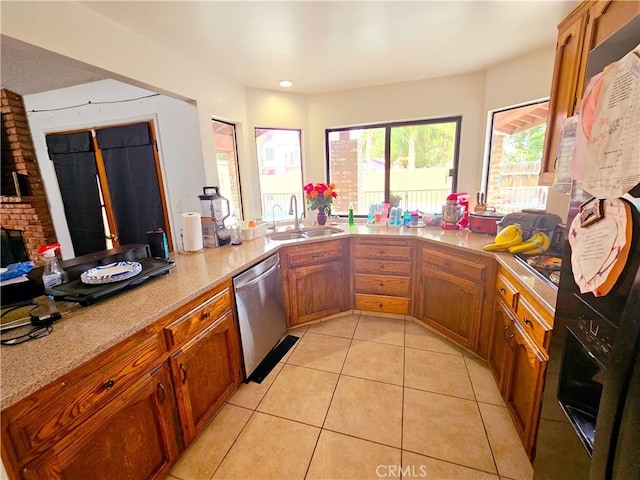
199	318
382	303
506	291
383	252
534	324
314	253
382	284
382	267
51	415
458	266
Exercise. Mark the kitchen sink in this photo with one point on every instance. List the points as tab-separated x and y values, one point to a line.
321	232
278	237
310	233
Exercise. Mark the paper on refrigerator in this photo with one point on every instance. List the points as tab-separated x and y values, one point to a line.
613	156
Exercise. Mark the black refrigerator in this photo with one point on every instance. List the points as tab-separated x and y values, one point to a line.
590	418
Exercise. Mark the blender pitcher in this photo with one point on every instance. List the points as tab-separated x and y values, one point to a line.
214	205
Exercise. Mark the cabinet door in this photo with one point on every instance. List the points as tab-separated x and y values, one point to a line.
205	372
316	291
501	333
137	442
525	382
564	91
451	305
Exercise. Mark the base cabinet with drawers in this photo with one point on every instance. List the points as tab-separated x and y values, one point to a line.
382	272
452	297
520	337
315	278
130	411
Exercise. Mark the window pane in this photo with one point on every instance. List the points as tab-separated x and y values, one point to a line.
227	161
280	171
515	159
422	157
357	168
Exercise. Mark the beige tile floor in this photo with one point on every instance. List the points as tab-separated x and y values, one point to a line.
363	397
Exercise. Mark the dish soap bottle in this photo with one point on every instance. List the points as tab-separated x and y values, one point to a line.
53	273
351	219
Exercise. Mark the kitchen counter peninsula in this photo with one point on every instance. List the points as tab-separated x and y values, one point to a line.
86	332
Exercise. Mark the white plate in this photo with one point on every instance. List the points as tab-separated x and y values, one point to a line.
114	272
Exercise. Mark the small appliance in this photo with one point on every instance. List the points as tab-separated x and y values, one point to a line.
455	213
215	209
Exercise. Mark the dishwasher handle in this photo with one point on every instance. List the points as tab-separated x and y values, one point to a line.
257	279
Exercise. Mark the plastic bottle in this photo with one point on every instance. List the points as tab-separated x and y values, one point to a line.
236	230
53	273
351	219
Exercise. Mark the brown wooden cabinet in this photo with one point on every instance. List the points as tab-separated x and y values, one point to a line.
206	371
452	297
501	333
120	415
520	337
585	28
523	384
315	280
382	274
133	437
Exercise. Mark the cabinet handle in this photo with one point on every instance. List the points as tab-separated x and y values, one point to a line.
109	384
316	255
206	315
163	392
502	290
380	305
512	337
505	332
527	321
381	284
184	374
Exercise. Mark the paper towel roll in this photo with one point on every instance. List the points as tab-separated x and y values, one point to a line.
191	232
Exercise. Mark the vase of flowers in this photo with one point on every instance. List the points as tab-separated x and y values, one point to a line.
319	197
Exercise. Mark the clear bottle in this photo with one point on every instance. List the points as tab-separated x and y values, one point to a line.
351	219
53	273
236	230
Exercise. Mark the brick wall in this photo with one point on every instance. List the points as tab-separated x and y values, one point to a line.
28	213
344	171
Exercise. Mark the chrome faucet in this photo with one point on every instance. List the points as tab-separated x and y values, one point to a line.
293	210
273	214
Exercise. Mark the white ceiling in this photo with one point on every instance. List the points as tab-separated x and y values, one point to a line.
332	45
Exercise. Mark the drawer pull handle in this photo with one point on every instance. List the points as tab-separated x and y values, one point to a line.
381	284
163	392
206	315
316	255
527	321
505	332
184	374
380	305
109	384
502	290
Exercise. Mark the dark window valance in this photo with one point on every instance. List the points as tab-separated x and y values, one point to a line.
69	143
126	136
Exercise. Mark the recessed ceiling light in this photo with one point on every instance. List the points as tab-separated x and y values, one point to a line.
286	83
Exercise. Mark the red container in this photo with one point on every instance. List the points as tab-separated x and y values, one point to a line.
485	222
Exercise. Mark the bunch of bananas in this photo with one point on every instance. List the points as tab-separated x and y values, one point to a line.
510	239
538	243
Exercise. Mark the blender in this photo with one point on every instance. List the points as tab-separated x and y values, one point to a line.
215	209
455	213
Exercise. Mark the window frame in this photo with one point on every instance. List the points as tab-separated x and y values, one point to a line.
457	119
299	194
237	161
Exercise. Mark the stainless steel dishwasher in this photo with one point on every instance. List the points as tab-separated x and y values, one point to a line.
260	310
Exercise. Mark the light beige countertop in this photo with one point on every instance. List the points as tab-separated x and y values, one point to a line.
86	332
